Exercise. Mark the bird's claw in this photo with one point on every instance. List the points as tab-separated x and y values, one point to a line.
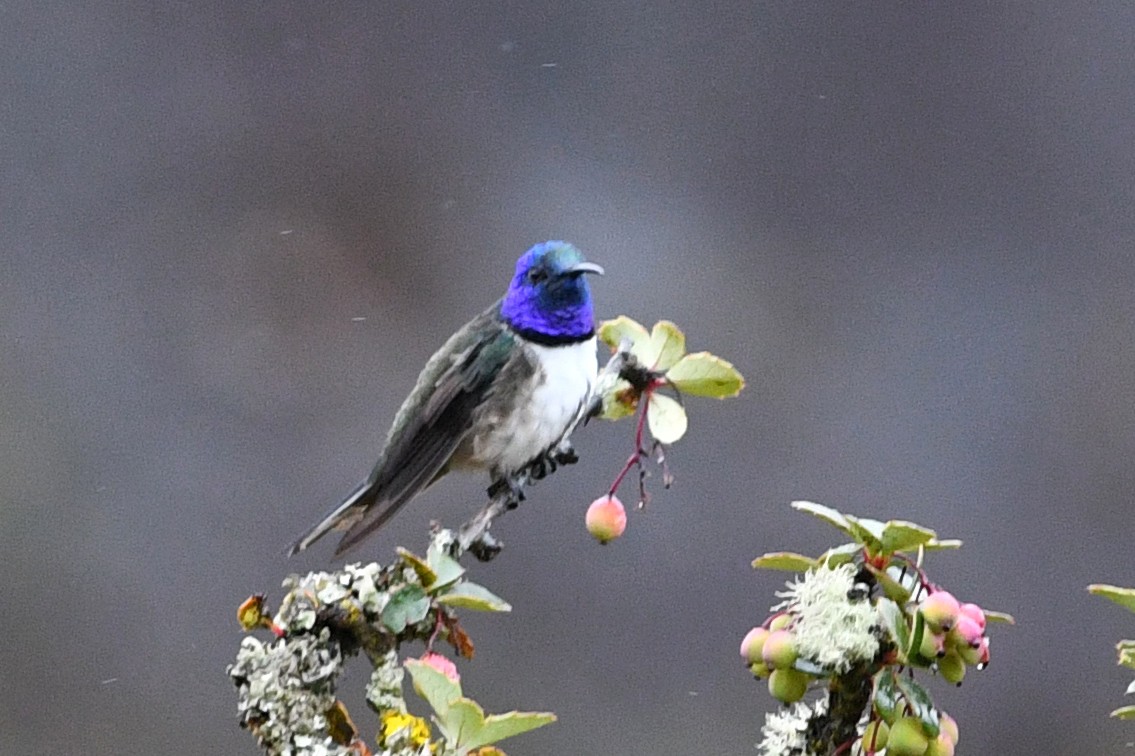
486	547
546	464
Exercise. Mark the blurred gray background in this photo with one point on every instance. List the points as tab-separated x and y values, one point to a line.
232	232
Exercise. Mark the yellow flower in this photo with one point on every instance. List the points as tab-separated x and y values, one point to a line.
400	723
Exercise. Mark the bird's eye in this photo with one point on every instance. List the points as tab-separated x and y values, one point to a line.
537	275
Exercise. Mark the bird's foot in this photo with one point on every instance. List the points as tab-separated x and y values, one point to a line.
486	547
548	463
507	487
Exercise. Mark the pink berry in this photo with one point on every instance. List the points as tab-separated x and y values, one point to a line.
974	612
940	610
606	518
966	632
779	651
753	644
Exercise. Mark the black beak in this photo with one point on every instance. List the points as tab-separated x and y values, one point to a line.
584	267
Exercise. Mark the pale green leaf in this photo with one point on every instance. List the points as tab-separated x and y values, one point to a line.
447	569
667	419
1130	688
829	515
942	545
1125	712
868	532
437	689
667	345
407	606
899	535
497	727
612	333
1002	617
838	555
704	374
473	596
785	560
462	723
1125	597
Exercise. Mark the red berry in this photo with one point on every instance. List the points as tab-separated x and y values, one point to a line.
606	518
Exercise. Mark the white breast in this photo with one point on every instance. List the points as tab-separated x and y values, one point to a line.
557	398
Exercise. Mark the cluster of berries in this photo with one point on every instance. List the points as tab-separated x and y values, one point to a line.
907	736
953	635
771	653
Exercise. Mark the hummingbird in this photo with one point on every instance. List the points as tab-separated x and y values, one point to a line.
500	395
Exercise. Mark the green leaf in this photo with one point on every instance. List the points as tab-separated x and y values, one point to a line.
447	569
496	727
424	571
473	596
612	333
437	689
827	514
704	374
1002	617
1125	597
785	560
903	536
667	345
887	695
921	705
667	419
462	722
407	606
868	532
1126	651
838	555
1130	689
942	545
912	649
1125	712
892	588
894	622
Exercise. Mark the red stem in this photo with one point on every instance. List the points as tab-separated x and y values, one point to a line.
636	458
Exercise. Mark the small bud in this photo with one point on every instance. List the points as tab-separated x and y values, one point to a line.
779	651
753	644
787	685
940	610
760	670
606	518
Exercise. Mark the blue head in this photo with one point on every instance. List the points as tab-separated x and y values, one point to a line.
549	300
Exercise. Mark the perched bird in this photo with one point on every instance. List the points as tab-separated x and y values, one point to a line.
500	394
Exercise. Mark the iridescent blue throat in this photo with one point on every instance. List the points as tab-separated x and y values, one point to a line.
557	311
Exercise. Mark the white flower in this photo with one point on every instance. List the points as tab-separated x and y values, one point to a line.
832	629
784	731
